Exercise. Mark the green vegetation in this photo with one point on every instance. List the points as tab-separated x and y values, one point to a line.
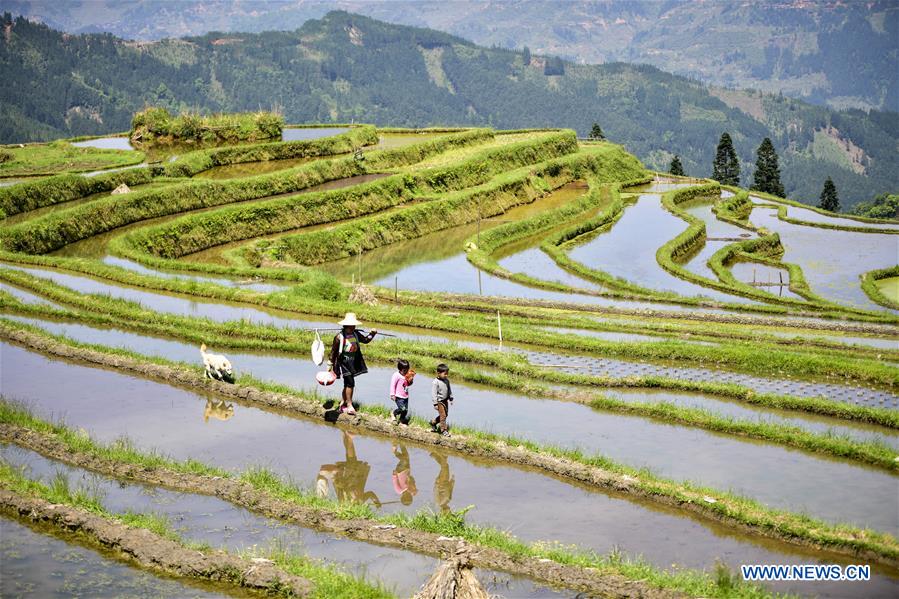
317	74
328	581
154	125
676	168
882	286
884	205
829	200
739	511
61	157
767	172
726	168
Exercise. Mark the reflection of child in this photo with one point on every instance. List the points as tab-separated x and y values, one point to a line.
403	483
443	484
399	391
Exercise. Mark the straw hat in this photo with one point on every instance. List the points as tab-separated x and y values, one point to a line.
350	320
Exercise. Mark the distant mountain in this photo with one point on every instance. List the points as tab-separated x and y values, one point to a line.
838	52
344	67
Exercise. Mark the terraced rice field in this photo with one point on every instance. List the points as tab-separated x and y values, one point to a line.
641	406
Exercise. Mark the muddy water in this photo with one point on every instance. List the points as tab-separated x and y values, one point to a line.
203	519
223	311
804	214
832	274
304	133
431	250
110	405
106	143
752	272
218	280
715	231
250	169
701	456
39	564
26	297
628	249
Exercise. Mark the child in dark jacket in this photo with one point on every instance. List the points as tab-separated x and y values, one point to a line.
441	397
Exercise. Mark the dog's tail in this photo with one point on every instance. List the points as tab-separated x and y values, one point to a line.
203	348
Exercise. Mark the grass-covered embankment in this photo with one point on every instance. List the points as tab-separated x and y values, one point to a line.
155	125
874	291
747	357
197	232
514	375
512	188
60	157
592	469
783	214
53	231
262	491
150	541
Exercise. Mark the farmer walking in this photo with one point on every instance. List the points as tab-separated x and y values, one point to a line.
346	357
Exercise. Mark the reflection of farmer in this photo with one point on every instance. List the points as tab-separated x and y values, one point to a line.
443	484
346	357
403	483
348	477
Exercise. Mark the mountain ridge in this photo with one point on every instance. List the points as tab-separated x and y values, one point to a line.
348	67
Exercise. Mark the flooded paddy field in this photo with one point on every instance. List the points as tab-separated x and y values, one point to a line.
212	521
628	249
108	405
224	311
703	457
834	274
38	563
646	337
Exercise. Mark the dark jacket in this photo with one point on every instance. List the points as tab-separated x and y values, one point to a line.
358	366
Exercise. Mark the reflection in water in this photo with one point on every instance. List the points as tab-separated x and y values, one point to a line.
348	477
403	482
218	409
443	484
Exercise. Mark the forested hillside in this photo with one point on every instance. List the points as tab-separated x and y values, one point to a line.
347	67
842	54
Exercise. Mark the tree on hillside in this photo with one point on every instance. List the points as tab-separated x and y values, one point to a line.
676	167
554	66
726	168
596	132
829	200
767	172
884	205
526	56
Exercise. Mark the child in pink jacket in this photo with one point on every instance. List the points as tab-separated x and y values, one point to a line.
399	391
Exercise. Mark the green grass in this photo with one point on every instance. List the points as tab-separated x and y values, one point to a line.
448	524
61	157
329	581
515	372
882	286
733	509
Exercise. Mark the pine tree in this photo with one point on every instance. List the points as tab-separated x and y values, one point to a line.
726	168
596	132
829	199
676	167
767	172
526	56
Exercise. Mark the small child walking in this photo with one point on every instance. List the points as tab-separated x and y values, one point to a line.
399	391
441	397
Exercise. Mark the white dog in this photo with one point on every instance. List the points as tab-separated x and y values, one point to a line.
218	367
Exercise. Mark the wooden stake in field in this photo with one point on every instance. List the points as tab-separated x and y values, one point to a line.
396	288
499	326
